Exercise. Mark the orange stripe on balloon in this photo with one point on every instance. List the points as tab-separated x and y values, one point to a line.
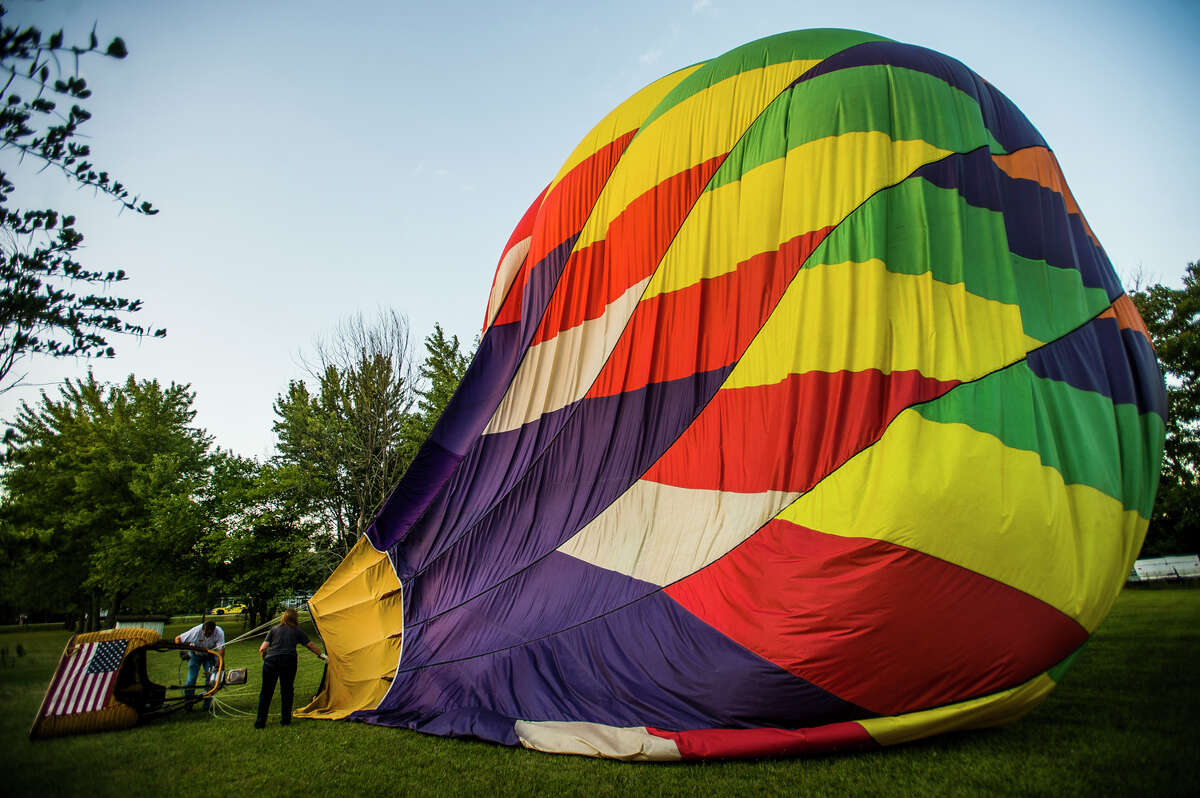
1039	165
569	203
704	326
631	250
562	214
1128	317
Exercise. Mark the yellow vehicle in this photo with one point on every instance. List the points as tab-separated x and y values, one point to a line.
228	609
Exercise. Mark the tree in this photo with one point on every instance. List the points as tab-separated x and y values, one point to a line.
441	372
264	542
309	442
101	497
1173	318
50	303
348	438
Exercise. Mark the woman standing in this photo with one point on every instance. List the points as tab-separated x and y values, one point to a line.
279	663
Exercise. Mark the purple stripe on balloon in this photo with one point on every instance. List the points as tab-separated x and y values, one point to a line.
492	467
555	593
470	722
1036	218
647	663
483	385
468	412
1102	357
605	445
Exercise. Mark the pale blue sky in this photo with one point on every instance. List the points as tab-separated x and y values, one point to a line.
312	160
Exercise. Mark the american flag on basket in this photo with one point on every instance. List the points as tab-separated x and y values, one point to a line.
86	678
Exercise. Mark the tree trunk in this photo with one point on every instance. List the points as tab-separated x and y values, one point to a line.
259	613
93	614
117	600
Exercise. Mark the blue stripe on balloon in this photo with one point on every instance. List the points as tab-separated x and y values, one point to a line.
1102	357
1035	218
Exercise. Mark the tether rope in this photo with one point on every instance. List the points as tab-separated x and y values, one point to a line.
223	710
258	631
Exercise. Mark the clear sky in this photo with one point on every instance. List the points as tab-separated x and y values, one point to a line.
313	160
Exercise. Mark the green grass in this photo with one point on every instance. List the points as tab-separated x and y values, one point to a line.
1122	723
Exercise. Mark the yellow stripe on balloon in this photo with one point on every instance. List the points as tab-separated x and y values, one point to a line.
961	495
626	117
816	185
978	713
696	130
859	316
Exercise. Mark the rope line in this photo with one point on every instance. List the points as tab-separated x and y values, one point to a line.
258	631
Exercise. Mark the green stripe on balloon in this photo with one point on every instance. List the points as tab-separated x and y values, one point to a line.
1073	431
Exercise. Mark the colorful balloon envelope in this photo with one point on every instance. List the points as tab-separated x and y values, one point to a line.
809	415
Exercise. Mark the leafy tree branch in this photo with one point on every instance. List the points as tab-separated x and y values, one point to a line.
50	303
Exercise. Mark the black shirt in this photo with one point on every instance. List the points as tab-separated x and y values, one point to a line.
282	641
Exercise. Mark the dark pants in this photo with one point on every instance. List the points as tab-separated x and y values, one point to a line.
282	669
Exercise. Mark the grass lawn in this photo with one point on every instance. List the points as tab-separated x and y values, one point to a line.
1121	723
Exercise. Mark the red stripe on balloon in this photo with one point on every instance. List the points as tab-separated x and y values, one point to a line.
521	232
789	435
843	612
746	743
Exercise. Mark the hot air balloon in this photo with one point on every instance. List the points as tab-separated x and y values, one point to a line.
809	415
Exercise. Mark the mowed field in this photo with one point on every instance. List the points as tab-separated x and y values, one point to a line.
1123	722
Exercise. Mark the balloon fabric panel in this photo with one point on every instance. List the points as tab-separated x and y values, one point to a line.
809	416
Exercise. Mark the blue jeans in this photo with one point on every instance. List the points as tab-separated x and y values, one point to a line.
196	661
